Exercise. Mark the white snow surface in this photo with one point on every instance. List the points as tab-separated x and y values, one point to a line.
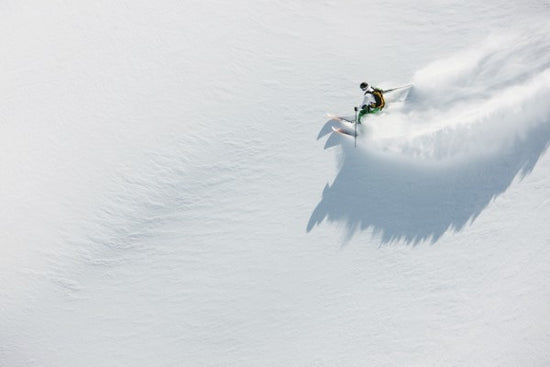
172	193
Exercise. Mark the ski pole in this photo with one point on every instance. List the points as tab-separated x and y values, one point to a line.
355	135
397	88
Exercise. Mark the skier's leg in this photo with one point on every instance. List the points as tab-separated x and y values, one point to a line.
362	113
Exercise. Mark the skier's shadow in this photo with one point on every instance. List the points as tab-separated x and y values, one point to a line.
334	138
401	200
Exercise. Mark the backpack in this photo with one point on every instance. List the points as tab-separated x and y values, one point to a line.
379	98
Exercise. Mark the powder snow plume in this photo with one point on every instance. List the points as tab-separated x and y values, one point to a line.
478	101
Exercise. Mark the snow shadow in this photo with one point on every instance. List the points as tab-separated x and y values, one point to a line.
403	200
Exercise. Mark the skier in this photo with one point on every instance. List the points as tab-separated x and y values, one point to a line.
373	100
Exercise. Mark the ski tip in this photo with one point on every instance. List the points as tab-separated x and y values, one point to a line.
343	131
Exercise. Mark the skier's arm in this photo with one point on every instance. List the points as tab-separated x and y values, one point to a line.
368	100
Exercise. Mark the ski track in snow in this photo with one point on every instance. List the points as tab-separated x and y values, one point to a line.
474	120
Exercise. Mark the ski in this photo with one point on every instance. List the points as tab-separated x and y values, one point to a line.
340	119
343	131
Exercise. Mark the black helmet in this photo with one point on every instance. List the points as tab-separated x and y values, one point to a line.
364	86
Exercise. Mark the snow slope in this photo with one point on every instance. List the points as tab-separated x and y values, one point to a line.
171	194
